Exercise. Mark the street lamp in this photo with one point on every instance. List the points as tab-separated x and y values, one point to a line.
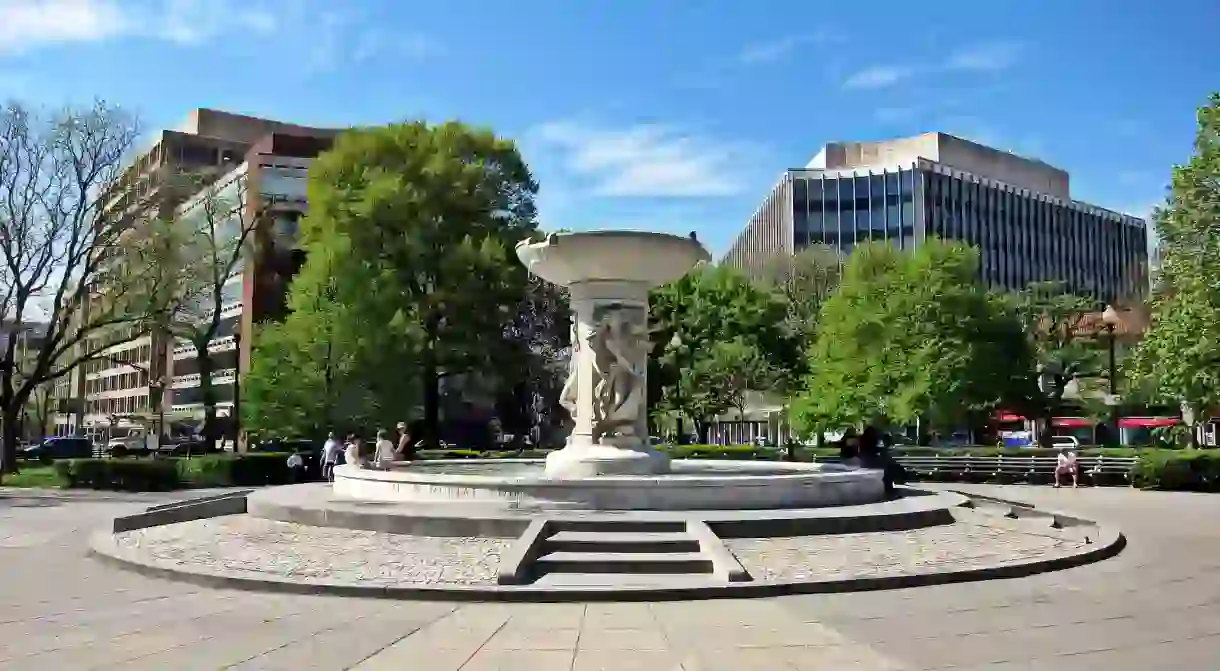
236	412
1111	318
675	343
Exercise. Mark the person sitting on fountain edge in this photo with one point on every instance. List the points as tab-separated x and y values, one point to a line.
873	454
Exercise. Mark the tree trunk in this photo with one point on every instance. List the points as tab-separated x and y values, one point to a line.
9	436
430	378
702	427
207	394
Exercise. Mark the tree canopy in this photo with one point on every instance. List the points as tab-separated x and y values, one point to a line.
715	334
1178	360
911	335
409	234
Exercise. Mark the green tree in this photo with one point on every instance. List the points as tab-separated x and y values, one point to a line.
1068	352
912	336
431	213
1178	361
335	363
704	326
805	281
532	360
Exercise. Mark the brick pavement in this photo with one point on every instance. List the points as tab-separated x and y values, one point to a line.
1156	606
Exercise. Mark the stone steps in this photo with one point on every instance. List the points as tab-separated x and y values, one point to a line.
668	580
623	562
621	541
624	553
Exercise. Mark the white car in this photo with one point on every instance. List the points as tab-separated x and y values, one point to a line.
1068	442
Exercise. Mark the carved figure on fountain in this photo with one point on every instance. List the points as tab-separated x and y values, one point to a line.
568	398
619	349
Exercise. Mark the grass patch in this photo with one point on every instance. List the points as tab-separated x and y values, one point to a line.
34	476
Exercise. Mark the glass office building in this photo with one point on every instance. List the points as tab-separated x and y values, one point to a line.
1023	236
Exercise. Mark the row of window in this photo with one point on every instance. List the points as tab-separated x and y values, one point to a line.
853	209
1026	239
1021	238
139	355
118	382
117	406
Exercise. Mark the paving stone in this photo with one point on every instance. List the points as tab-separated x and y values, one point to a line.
947	547
1155	606
255	547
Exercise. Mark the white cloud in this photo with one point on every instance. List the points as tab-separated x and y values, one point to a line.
778	49
33	24
985	57
878	76
28	24
645	160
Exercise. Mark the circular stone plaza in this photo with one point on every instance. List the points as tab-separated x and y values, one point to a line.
1154	605
610	555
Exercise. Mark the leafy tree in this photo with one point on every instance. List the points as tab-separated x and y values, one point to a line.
1178	360
430	214
912	335
72	263
705	328
533	359
1068	351
805	281
335	363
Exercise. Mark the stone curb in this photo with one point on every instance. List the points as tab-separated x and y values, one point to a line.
1109	543
233	503
925	510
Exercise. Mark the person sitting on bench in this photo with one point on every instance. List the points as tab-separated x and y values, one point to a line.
1066	463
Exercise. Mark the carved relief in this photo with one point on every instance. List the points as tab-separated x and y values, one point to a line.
618	347
568	397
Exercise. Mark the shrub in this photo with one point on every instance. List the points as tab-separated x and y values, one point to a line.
130	475
1178	470
236	470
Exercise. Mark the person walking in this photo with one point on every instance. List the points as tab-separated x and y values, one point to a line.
331	452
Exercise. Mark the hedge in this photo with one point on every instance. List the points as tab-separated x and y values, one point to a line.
158	474
1178	470
128	475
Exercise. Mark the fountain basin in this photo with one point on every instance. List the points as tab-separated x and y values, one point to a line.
650	259
690	485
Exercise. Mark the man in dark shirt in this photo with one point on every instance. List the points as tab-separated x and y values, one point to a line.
406	447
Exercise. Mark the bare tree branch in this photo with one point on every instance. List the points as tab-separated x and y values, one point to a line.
72	248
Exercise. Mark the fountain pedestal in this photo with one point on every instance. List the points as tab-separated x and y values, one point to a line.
608	275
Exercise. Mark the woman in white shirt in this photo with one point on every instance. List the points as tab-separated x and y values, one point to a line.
353	454
1066	463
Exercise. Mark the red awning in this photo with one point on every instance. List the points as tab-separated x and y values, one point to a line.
1147	422
1072	422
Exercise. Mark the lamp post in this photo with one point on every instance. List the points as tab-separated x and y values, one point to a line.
236	412
1111	318
676	344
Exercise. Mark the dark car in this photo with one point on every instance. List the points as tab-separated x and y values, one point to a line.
60	447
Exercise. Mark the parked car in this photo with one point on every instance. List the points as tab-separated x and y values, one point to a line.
1069	442
59	447
136	442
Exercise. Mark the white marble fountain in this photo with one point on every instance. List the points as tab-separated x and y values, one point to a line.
608	462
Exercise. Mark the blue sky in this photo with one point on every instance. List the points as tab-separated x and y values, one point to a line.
659	114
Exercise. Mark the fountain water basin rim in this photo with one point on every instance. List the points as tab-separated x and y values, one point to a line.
691	485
